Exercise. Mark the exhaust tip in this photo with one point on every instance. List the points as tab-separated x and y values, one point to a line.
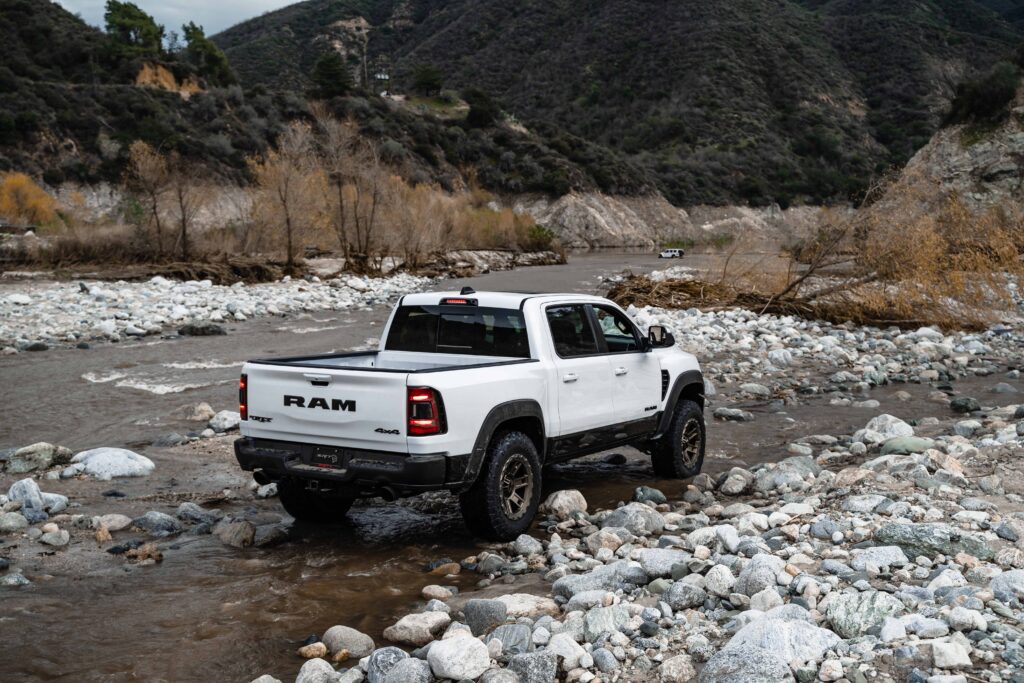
261	477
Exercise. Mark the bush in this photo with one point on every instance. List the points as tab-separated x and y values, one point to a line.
986	99
22	201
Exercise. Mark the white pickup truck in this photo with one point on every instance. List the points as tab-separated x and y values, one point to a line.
472	392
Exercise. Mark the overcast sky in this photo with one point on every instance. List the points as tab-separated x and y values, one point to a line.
213	15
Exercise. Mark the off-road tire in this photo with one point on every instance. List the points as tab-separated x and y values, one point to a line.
306	506
679	453
511	456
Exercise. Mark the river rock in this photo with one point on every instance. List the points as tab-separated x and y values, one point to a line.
317	671
12	521
562	504
855	614
759	573
535	667
514	638
417	629
58	538
609	577
790	639
746	664
343	638
527	545
719	581
237	533
637	517
1009	586
882	428
500	676
682	595
35	504
381	662
880	556
38	456
225	421
198	412
409	670
157	523
565	646
201	330
107	463
482	616
964	404
525	605
678	669
647	494
931	539
196	514
606	620
903	445
459	657
659	561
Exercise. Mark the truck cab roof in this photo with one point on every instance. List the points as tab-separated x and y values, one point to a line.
492	299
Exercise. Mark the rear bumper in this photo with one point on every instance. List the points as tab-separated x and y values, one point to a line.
358	472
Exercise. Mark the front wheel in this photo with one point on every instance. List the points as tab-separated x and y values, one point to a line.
504	499
308	506
679	453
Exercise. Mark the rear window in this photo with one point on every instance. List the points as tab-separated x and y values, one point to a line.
471	330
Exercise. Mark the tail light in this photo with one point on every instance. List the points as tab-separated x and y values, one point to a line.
243	397
426	412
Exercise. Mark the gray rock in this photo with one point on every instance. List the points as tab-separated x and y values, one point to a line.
483	615
1009	586
58	539
14	580
610	577
417	629
202	330
881	556
157	523
238	533
12	521
903	445
637	517
964	404
225	421
758	574
535	667
38	456
459	657
562	504
190	512
605	620
357	643
855	614
108	463
34	503
527	545
410	670
931	539
794	639
788	471
515	638
169	440
686	596
746	664
646	494
605	661
499	676
317	671
658	561
381	662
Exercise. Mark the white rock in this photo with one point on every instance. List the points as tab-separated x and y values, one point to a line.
106	463
458	658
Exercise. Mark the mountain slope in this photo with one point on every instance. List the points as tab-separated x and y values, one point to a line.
753	100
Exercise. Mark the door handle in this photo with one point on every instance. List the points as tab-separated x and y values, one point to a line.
318	380
570	377
621	371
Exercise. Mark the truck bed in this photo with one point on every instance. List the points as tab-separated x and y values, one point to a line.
391	361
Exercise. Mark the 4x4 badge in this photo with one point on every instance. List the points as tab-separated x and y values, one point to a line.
381	430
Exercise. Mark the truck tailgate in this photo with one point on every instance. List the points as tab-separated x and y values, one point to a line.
342	407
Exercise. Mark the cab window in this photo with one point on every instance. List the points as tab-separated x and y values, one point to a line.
619	333
571	331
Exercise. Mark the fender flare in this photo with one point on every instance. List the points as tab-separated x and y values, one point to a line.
498	415
683	381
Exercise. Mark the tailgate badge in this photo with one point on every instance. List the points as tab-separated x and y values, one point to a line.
381	430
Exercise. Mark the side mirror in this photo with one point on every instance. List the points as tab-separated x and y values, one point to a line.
658	337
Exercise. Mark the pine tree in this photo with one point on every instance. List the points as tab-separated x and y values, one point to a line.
331	76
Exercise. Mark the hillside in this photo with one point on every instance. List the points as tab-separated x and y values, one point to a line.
69	110
755	100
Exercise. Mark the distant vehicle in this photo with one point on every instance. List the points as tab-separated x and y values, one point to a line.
471	393
671	253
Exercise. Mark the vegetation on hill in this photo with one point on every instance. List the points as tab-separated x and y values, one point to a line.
757	100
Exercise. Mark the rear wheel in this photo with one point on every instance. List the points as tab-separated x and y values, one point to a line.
679	453
308	506
504	499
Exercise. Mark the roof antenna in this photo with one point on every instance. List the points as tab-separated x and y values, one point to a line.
467	290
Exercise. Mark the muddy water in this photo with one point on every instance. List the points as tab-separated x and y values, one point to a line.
211	613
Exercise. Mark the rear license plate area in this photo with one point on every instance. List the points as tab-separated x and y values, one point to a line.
328	457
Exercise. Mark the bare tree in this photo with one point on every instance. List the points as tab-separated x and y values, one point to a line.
147	175
288	186
338	147
188	196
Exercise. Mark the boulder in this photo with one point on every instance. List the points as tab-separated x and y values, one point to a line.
880	556
904	445
356	643
606	620
1009	586
525	605
793	639
682	595
36	506
931	539
225	421
527	545
459	657
381	662
317	671
637	518
157	523
758	574
409	670
610	577
38	456
746	664
562	504
483	616
855	614
567	649
535	667
515	638
658	561
417	629
678	669
107	463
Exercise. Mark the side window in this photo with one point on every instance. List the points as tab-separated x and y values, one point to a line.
619	333
571	331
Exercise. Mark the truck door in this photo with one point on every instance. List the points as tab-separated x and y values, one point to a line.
636	374
583	381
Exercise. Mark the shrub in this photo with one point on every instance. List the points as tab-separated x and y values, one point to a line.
986	99
21	200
